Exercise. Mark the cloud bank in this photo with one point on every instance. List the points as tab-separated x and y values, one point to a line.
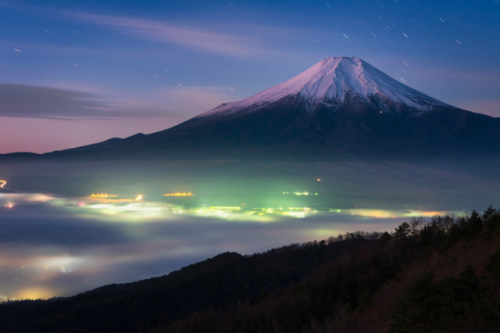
25	101
42	102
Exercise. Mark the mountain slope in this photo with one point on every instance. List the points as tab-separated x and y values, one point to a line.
339	106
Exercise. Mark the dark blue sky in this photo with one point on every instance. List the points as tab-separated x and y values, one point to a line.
77	72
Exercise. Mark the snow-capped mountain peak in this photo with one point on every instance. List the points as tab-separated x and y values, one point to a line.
339	107
333	82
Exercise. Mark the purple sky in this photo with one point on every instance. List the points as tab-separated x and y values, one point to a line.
79	72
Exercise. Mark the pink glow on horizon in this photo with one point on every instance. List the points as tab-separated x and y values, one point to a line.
46	135
145	113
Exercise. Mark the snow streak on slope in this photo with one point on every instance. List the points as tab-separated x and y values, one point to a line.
332	82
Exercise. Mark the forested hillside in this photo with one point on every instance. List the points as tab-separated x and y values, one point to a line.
438	275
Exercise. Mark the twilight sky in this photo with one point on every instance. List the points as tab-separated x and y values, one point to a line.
78	72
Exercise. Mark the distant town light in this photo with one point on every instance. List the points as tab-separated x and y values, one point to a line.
103	195
179	194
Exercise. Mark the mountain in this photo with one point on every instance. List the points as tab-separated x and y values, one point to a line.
339	106
335	83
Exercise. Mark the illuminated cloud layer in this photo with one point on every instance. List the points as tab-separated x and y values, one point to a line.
53	246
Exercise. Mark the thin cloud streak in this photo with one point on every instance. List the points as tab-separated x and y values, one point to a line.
23	101
41	102
197	39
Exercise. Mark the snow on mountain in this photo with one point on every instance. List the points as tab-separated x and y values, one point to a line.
332	82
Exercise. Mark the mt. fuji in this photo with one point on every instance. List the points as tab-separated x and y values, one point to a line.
340	106
334	82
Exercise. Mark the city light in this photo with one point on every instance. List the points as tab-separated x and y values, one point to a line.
235	208
179	194
301	193
2	183
103	195
138	208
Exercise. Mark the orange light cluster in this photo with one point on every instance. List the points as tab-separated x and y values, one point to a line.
179	194
2	183
103	195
